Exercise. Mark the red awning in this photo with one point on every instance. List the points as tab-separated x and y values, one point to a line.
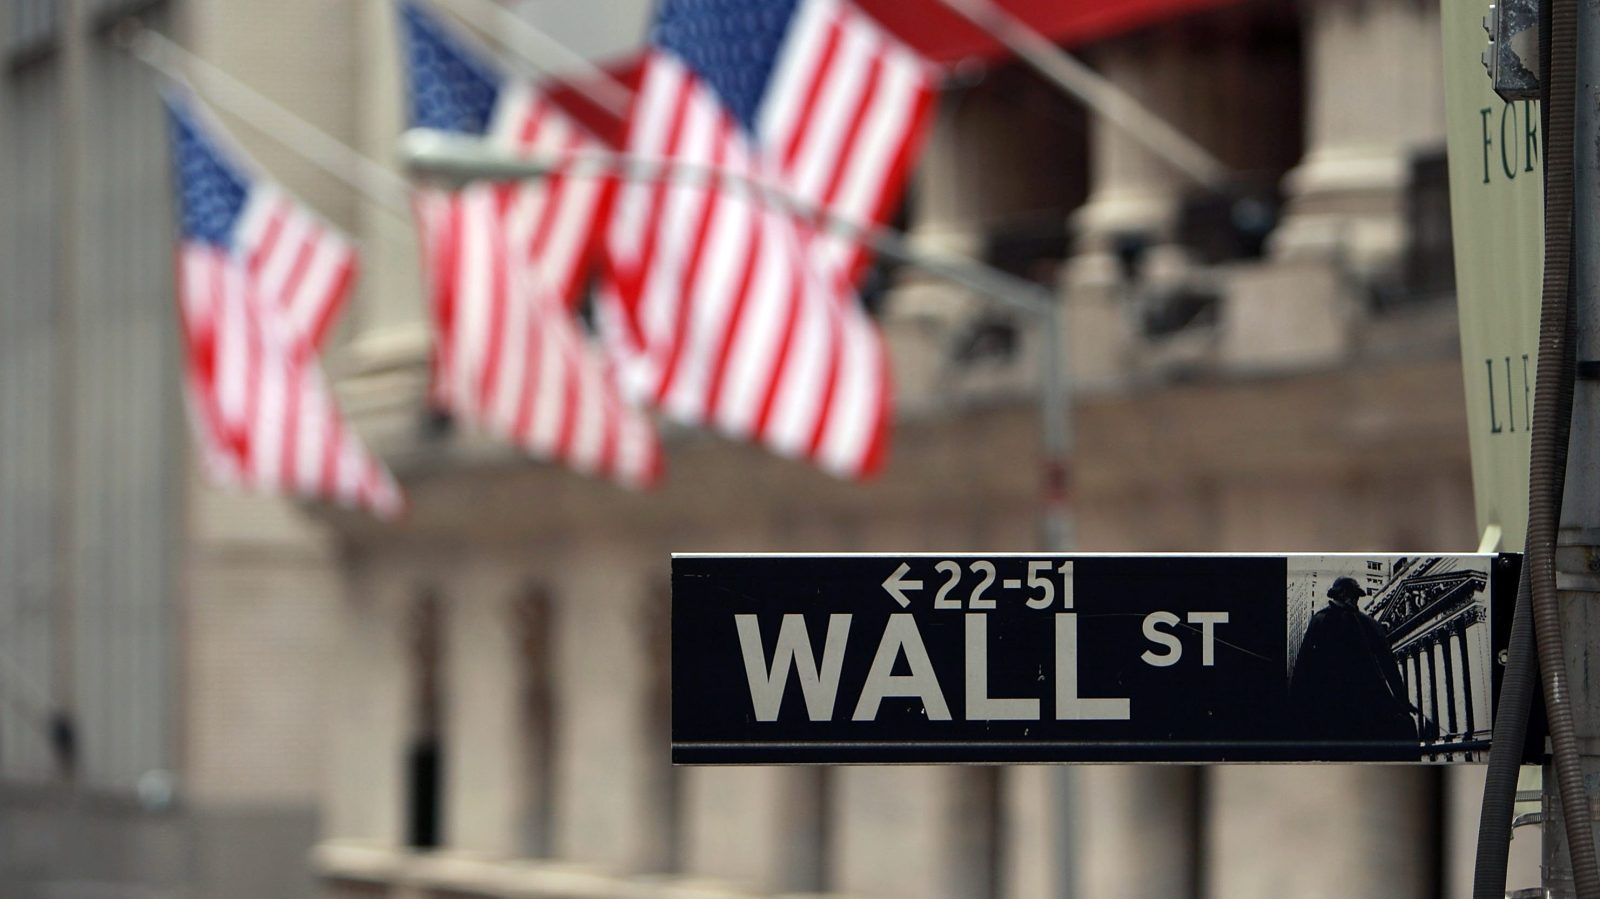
944	36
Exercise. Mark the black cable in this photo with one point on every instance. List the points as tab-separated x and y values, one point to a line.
1505	753
1536	626
1521	674
1552	411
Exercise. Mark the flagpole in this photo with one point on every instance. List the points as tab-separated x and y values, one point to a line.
1094	90
453	155
266	117
465	157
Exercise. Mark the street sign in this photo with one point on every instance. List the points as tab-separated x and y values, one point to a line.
1001	658
1496	160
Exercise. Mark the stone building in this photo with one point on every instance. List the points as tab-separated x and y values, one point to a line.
271	700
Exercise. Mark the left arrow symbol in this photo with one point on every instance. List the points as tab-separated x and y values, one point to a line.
897	584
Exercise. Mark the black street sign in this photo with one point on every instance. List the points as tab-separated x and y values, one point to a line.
1001	658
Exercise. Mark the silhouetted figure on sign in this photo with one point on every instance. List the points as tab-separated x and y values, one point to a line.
1346	683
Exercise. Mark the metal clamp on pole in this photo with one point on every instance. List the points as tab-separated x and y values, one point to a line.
1512	57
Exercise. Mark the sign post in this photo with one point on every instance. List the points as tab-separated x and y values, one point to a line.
1004	658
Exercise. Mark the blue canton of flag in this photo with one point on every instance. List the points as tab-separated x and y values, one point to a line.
731	44
211	188
452	88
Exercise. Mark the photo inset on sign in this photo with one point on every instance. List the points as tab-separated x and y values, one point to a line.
1387	648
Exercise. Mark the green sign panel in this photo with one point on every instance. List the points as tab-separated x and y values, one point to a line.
1496	214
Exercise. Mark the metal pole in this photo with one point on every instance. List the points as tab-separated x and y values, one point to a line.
74	213
1057	531
465	157
1055	418
1578	539
1095	91
1122	111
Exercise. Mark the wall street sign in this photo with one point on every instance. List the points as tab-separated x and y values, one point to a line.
1001	658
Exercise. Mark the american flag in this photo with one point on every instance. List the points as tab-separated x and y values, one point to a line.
260	279
721	309
506	263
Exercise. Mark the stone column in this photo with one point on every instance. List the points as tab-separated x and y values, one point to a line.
1031	830
1136	831
740	826
391	311
1133	825
1132	191
947	213
603	751
368	710
1374	96
1002	150
1318	832
1134	197
923	311
382	369
485	784
897	832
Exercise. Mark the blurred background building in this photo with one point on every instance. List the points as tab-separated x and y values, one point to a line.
211	695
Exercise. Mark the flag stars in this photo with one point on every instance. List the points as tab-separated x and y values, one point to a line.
211	191
452	89
732	44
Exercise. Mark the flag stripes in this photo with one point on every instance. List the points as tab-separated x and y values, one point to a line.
297	259
260	280
846	113
552	221
714	309
262	412
720	309
510	355
506	264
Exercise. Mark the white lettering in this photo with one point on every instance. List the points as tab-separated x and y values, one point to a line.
1047	589
794	646
1208	636
1070	706
901	635
1154	634
980	705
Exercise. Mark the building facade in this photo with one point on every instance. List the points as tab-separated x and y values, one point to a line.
160	643
473	702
